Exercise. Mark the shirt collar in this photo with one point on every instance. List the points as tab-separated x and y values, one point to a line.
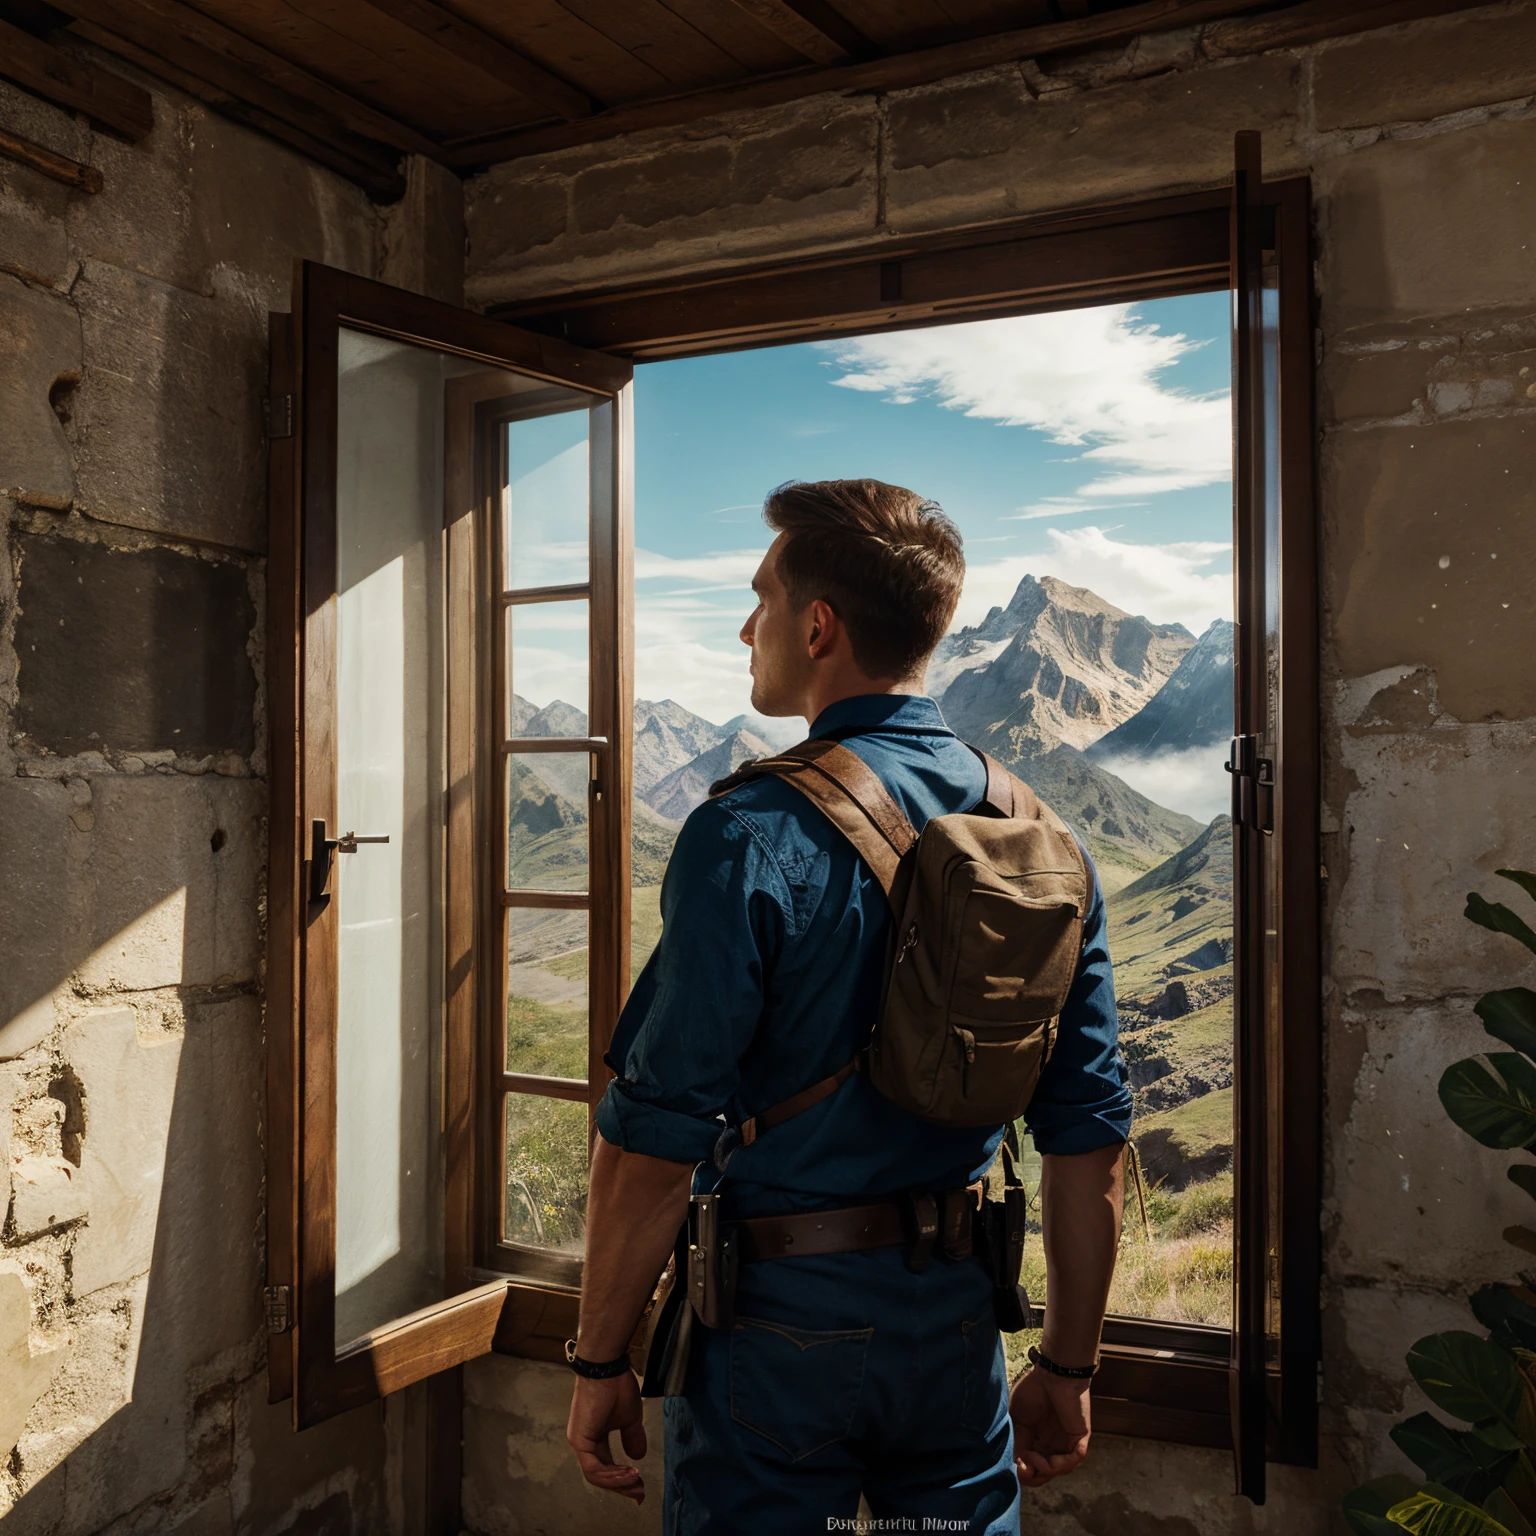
879	712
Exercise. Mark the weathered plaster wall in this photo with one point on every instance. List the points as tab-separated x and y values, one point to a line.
132	837
1421	143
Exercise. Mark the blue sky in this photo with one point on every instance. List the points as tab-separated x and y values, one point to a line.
1091	445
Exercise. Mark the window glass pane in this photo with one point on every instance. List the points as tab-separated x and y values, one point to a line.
546	1200
1091	651
547	992
389	746
545	508
547	820
548	667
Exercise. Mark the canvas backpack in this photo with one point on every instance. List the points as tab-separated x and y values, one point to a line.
988	908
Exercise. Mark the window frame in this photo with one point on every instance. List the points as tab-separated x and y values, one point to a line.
1162	1381
478	1307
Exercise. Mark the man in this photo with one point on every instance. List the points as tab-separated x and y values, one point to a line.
845	1372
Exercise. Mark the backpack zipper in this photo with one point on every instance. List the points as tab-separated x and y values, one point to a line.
908	943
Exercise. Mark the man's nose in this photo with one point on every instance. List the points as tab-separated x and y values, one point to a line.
749	628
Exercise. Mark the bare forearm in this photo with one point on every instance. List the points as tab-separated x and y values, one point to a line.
635	1204
1081	1197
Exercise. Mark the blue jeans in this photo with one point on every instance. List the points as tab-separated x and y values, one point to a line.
845	1373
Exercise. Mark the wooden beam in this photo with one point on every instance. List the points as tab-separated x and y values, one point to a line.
84	177
162	26
811	27
489	55
111	103
891	73
1320	19
372	166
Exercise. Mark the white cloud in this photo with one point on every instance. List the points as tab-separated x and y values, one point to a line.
1087	378
1192	780
1168	583
734	567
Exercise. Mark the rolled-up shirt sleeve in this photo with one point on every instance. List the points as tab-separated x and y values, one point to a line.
696	1006
1082	1101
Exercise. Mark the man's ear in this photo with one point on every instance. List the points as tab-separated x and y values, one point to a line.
823	631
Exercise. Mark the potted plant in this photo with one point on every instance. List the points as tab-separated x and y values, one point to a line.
1480	1480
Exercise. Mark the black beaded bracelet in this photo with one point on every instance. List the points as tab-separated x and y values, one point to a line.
594	1370
1070	1372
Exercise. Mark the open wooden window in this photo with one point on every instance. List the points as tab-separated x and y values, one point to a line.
394	644
532	856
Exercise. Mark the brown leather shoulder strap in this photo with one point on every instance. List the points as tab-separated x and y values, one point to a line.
848	792
797	1103
1007	795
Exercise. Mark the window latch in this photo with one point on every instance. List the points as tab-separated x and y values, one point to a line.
322	849
1253	785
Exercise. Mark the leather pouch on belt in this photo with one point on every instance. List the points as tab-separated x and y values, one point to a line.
712	1260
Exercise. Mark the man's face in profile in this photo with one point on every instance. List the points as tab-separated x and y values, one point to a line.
778	637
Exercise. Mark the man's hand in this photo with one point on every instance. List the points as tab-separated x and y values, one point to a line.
597	1409
1050	1426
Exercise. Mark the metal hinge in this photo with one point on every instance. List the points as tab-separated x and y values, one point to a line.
278	411
277	1304
1253	785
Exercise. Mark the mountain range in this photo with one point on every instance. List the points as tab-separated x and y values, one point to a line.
1193	708
1052	685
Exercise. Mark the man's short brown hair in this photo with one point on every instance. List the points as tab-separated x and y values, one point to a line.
887	561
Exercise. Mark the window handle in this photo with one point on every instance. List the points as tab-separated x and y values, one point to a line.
348	841
322	850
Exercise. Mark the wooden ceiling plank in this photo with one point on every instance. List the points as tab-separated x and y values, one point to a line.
1321	19
890	73
758	50
680	53
110	103
172	19
902	25
997	15
380	61
548	33
489	55
372	167
812	28
214	79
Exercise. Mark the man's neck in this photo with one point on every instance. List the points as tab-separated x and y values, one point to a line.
820	699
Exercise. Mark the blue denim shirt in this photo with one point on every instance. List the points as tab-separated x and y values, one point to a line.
769	976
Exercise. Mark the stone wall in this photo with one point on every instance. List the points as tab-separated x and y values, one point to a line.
132	834
1421	144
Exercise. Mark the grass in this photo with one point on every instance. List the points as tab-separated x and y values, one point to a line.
644	926
546	1204
1183	1275
546	1040
1186	1145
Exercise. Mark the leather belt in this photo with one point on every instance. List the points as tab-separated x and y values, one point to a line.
852	1228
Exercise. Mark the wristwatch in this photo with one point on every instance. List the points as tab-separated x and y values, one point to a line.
594	1370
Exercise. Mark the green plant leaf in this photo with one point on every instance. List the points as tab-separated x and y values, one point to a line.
1523	1175
1522	877
1467	1377
1510	1016
1365	1508
1511	1321
1498	917
1499	1112
1503	1508
1436	1511
1499	1435
1462	1462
